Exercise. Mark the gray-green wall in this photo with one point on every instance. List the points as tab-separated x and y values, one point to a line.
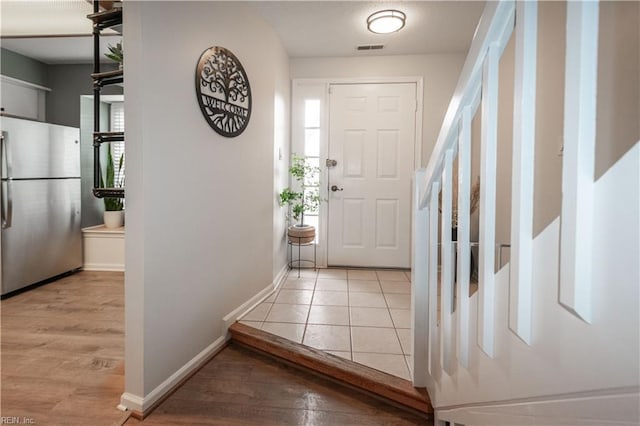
15	65
68	83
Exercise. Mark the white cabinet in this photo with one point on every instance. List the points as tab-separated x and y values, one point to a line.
22	99
103	248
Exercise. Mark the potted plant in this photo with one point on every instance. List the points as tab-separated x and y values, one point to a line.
116	54
113	207
305	200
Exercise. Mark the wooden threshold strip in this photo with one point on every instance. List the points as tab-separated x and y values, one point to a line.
372	381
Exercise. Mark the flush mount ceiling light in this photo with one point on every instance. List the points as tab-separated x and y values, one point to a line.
386	21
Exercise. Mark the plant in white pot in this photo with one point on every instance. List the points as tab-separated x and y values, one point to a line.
113	207
306	199
116	54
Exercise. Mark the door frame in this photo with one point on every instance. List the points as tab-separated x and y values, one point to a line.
300	89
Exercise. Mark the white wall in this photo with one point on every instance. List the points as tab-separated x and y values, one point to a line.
440	73
200	207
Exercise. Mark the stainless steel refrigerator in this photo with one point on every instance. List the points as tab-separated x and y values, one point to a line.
40	202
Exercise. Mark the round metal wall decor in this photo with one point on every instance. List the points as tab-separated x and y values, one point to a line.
223	91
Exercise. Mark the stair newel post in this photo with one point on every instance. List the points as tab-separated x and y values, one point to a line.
420	285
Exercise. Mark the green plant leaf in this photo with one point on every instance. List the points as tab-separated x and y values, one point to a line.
308	199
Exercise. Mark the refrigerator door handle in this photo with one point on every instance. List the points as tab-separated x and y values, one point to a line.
7	196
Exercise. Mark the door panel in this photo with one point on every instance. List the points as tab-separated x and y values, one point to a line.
353	232
372	137
387	155
354	153
386	224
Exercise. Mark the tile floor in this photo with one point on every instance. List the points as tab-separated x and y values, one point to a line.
360	315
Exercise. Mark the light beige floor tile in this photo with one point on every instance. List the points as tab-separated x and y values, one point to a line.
368	300
304	273
331	298
398	301
331	285
289	331
401	318
333	274
405	340
299	284
327	337
361	274
370	317
254	324
288	313
392	364
259	313
364	286
329	315
271	298
401	287
341	354
392	276
296	297
375	340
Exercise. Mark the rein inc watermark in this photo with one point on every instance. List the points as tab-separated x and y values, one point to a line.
17	420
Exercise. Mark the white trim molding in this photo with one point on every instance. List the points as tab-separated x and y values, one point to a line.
579	409
247	306
129	401
141	405
23	83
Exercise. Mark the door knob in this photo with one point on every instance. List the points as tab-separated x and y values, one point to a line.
335	188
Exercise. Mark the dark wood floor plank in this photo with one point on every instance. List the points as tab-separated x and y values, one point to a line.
359	376
241	387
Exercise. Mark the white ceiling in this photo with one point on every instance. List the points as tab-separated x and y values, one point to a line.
307	28
335	28
64	23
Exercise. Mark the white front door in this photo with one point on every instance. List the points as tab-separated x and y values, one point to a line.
371	138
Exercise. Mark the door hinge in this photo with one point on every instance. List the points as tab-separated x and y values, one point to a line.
330	90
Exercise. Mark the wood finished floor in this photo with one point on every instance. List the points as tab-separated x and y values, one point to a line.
241	387
61	356
62	351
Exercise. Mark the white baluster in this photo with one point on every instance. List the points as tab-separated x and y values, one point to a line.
578	157
446	282
524	116
486	303
434	336
464	248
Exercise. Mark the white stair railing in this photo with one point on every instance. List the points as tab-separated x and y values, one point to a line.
478	82
495	333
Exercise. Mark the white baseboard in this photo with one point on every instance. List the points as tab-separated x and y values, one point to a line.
114	267
132	402
247	306
598	408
